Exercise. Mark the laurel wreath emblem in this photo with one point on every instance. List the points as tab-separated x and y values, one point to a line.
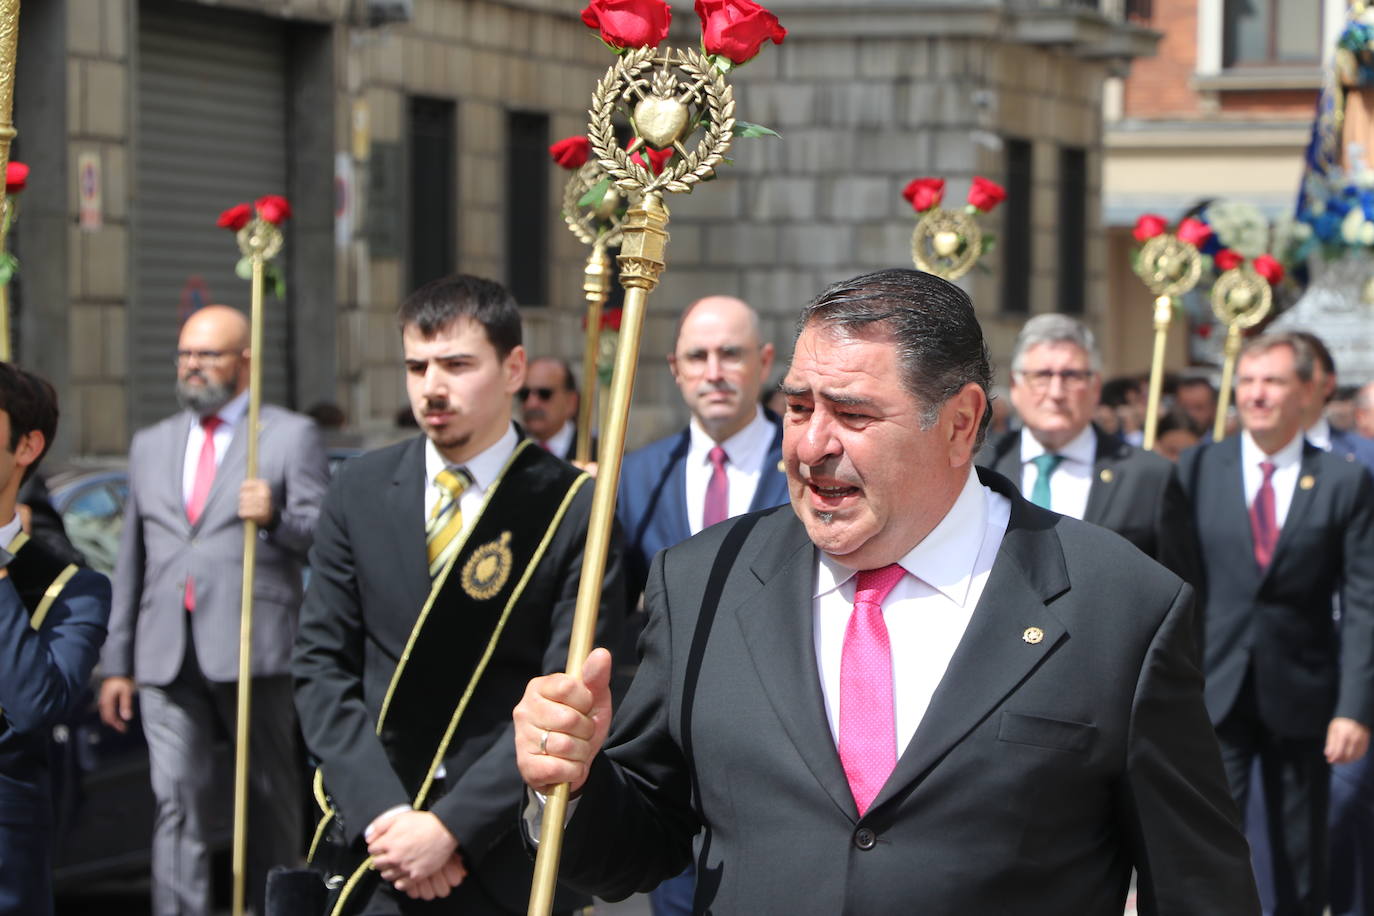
704	88
586	222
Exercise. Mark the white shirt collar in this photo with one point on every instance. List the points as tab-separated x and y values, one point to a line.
483	467
944	559
558	443
745	449
1082	448
9	530
1319	434
1251	453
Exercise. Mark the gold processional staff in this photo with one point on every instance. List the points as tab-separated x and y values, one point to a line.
9	51
667	95
1241	299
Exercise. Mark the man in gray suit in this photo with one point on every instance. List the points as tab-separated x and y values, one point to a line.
174	626
900	694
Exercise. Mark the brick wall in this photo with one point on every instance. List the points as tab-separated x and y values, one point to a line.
1158	86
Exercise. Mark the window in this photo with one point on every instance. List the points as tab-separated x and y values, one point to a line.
1073	228
432	197
1271	32
528	216
1015	237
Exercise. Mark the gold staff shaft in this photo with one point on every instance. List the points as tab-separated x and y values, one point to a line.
641	262
596	284
250	543
1228	368
1163	312
9	52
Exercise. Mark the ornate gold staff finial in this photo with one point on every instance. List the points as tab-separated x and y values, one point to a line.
599	225
1241	299
259	239
948	243
1171	265
667	95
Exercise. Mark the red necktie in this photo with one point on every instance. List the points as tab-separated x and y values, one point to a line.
868	721
200	488
717	490
1263	520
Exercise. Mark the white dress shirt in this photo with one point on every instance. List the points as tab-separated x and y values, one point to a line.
8	531
745	453
483	468
229	415
560	443
926	613
1071	481
1287	463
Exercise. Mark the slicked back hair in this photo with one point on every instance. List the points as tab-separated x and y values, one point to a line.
31	403
439	303
931	322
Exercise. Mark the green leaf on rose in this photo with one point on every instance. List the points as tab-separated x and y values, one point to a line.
745	129
595	194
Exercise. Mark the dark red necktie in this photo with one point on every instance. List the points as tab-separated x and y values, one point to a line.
868	720
200	488
1263	519
717	490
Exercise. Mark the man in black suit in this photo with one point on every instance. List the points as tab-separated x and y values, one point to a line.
1282	525
548	406
445	572
1062	461
903	695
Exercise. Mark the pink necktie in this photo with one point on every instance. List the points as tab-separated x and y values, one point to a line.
868	723
1263	519
200	488
717	491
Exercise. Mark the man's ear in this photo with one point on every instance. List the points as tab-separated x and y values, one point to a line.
514	366
30	448
963	414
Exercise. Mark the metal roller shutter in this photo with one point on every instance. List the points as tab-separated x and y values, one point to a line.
211	106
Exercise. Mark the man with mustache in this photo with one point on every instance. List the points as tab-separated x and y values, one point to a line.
727	461
548	406
174	625
902	693
1283	526
445	574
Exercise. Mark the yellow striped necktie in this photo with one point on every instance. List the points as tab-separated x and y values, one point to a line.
446	521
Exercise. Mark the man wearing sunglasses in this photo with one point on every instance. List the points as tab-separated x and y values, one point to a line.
1062	461
548	406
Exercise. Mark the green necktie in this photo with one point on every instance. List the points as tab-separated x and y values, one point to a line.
1045	465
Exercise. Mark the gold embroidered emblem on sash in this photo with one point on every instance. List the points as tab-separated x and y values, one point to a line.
486	571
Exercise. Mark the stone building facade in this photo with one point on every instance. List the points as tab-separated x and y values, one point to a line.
415	145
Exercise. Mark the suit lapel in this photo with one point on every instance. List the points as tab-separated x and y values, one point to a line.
405	515
1104	486
1231	494
179	432
1303	495
777	624
993	657
675	502
772	486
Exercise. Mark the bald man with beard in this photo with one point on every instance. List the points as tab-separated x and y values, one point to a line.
174	625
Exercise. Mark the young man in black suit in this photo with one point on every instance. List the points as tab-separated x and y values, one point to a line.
445	572
1283	526
902	693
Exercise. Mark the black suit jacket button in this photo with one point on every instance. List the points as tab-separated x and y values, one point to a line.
865	838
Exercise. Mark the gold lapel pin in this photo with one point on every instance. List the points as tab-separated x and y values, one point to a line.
1106	476
1307	482
1033	635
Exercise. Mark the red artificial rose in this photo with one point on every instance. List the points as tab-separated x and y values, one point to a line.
737	28
16	177
610	319
571	152
1203	330
1194	231
924	193
984	195
235	218
658	158
629	23
1149	226
274	209
1226	259
1269	269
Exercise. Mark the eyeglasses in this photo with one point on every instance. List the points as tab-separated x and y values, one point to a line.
542	394
1073	379
694	362
202	356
